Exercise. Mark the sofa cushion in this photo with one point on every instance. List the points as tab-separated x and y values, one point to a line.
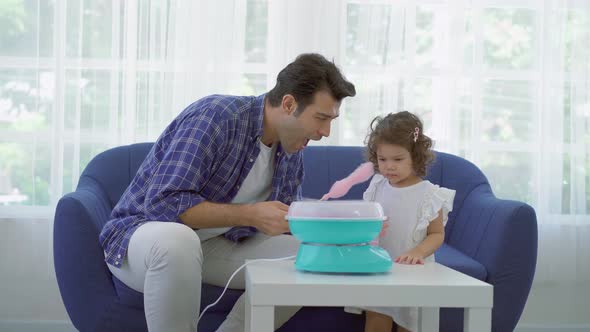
456	260
127	295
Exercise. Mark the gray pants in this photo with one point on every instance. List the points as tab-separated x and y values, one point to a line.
167	262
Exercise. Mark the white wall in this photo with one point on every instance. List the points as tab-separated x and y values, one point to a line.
555	307
29	296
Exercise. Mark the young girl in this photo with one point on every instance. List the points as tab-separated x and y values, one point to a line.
417	210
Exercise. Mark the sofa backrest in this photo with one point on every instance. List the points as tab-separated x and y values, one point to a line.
106	177
114	169
456	173
110	172
326	164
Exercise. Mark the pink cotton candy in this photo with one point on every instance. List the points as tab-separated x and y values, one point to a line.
341	187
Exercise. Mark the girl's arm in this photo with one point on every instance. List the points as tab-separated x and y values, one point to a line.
435	235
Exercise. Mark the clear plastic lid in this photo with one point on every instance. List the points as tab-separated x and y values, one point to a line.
336	210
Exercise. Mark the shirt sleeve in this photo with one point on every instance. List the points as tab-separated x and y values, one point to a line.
290	189
436	199
369	194
185	167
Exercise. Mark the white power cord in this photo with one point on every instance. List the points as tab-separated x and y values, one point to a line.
234	274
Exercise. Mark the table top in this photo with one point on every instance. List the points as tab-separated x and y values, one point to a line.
428	285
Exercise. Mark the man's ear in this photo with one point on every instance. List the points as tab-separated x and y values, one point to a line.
289	104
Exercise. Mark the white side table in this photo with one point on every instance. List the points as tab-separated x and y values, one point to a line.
429	287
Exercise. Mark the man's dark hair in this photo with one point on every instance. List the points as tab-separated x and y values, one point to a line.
305	76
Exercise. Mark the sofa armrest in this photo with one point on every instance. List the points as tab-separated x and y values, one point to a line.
502	235
458	261
84	283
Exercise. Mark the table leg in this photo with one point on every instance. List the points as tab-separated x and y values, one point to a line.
259	318
428	319
477	319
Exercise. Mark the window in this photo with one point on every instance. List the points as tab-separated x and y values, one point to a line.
78	77
484	76
501	83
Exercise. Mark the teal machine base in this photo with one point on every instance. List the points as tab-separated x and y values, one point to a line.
355	258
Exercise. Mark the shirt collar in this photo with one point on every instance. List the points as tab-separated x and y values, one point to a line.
256	121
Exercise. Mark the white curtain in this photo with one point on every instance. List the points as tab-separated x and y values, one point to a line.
563	204
505	84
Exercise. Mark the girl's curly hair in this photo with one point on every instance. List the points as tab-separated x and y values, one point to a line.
398	129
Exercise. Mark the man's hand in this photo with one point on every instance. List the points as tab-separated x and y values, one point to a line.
269	217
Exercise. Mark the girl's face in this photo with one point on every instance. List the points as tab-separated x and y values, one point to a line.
395	163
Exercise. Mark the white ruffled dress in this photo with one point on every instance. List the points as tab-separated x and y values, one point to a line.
409	210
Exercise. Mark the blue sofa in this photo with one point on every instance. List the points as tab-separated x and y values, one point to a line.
488	238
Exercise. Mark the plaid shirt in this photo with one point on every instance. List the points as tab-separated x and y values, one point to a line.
204	154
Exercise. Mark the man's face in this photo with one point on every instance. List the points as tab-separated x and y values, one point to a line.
312	123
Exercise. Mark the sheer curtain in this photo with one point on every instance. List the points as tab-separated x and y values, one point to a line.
505	84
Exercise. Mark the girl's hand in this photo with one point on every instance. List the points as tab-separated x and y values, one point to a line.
411	257
384	227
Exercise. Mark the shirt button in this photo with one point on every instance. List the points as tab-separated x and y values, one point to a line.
251	160
117	263
119	256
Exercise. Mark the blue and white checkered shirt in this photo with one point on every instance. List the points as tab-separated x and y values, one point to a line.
202	155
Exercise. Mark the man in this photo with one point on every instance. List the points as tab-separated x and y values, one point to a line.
226	167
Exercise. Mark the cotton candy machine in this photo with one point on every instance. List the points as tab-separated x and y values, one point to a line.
336	236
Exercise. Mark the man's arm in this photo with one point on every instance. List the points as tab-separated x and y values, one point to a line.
268	217
213	215
188	152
